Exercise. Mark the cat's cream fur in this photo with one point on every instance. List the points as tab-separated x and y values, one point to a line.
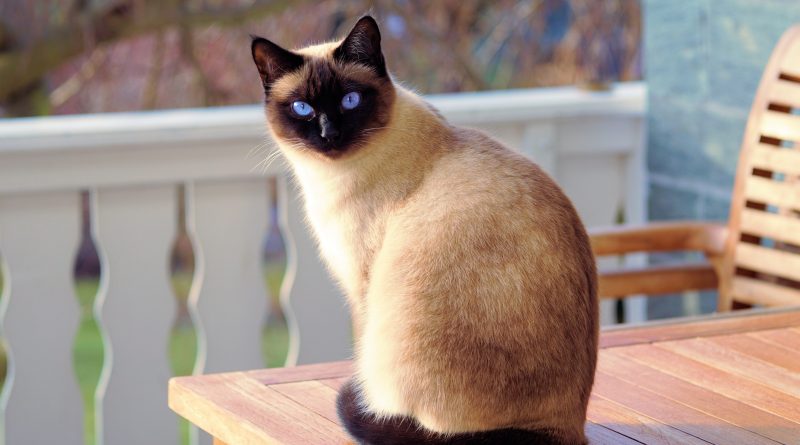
467	270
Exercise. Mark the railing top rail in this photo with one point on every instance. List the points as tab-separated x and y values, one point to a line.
171	146
108	130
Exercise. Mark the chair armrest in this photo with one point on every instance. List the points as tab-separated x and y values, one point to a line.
656	280
707	237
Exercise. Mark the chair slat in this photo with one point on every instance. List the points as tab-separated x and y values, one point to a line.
769	157
227	221
780	125
790	63
319	322
134	229
766	260
773	192
771	225
753	291
785	92
39	235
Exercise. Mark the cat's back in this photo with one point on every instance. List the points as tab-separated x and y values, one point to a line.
481	178
485	210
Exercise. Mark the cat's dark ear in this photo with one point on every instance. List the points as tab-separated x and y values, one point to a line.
273	61
363	45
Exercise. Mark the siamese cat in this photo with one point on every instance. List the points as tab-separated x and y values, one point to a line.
468	272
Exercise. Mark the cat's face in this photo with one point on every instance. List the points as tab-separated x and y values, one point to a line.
330	99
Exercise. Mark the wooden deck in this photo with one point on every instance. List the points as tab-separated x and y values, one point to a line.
724	380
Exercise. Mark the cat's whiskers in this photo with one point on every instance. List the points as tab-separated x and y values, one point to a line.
265	163
267	145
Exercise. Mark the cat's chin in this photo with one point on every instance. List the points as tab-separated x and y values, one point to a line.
329	153
326	152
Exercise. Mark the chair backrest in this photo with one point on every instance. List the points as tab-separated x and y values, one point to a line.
761	264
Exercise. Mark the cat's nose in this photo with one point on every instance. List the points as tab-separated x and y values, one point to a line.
327	130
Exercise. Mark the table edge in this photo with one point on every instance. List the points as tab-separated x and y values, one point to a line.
700	326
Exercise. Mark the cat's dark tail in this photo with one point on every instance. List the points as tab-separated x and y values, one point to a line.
368	430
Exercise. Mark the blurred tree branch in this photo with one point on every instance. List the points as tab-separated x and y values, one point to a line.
208	92
459	51
71	87
150	94
22	68
5	36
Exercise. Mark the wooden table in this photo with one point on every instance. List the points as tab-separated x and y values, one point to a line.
732	379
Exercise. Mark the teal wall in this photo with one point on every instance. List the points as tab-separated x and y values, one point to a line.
703	60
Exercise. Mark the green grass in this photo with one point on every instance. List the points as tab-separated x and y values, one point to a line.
88	346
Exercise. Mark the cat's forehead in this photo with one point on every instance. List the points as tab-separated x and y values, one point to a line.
320	74
320	51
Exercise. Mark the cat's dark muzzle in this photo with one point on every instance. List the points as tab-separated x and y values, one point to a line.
331	147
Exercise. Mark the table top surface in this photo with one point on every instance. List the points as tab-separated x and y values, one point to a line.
732	379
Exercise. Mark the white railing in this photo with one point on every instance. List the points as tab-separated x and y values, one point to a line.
133	163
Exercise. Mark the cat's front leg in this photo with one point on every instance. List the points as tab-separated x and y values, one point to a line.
379	373
357	317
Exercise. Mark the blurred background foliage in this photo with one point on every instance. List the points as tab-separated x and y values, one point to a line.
87	56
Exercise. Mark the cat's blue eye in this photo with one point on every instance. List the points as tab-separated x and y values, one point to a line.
351	100
302	109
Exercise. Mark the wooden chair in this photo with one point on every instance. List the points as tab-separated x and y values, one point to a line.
755	258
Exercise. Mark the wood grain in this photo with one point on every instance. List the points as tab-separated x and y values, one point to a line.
636	425
786	338
334	383
602	435
787	356
728	409
313	395
736	363
318	371
733	386
664	410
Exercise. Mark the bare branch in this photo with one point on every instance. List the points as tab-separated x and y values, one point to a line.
71	87
150	94
208	91
22	67
464	60
5	36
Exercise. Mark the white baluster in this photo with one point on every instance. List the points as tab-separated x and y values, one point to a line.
227	221
318	319
39	235
134	229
